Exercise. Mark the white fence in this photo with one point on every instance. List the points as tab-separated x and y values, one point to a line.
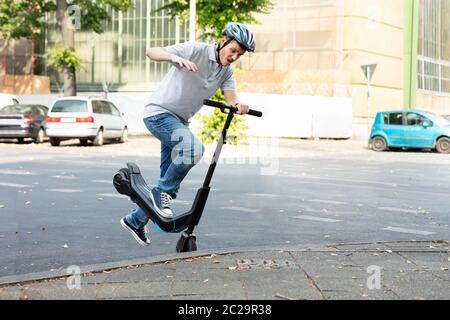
283	115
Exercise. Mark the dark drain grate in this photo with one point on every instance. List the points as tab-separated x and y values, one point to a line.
247	264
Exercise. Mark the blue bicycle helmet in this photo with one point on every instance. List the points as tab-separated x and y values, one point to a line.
240	33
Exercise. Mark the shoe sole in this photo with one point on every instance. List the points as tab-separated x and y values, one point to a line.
157	209
124	225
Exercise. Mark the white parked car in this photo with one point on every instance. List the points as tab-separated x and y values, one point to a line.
88	119
7	100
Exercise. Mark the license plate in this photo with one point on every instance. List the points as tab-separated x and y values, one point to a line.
68	120
9	122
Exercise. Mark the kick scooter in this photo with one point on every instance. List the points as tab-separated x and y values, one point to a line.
129	181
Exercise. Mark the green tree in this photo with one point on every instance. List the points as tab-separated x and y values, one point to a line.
25	19
213	15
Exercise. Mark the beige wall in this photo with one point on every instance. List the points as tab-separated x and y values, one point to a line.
317	47
433	103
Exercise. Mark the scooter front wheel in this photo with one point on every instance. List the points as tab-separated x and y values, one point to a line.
187	243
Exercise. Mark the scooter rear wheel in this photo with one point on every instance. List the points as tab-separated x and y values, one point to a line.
121	182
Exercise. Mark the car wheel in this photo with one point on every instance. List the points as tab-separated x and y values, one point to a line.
98	140
40	136
443	145
379	144
124	137
55	142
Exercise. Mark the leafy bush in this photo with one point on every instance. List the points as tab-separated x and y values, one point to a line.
212	125
60	58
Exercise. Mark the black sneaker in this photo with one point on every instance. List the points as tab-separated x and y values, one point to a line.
161	202
138	234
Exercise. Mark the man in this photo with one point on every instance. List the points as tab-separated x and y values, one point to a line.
198	70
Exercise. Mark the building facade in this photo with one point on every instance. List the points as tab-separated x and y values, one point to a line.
304	47
317	47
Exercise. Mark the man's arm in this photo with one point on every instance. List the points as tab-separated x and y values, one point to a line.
161	55
231	97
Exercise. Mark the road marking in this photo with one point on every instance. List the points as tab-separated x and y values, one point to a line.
268	195
181	201
19	172
112	195
390	184
333	169
303	217
241	209
14	185
406	170
65	177
397	210
403	230
64	190
327	201
103	181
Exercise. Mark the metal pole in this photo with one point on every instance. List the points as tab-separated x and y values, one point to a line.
368	101
192	15
368	104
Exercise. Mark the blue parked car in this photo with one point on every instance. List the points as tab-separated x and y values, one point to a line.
410	129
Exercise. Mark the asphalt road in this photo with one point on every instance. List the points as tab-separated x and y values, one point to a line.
58	206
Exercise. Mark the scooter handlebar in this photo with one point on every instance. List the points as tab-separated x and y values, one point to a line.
224	106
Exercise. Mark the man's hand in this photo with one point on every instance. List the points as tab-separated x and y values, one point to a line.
184	63
242	108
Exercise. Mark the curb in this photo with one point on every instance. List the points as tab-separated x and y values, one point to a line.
97	268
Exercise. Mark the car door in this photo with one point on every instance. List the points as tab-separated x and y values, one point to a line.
108	120
98	111
41	113
416	134
117	119
393	128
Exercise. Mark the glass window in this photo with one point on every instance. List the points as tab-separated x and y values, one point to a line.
414	119
393	118
105	108
40	111
97	106
70	106
434	46
26	110
114	110
119	57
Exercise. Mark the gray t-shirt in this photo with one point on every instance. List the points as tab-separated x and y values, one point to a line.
182	92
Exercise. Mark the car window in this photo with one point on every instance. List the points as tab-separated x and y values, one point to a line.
414	119
105	107
26	110
114	110
393	118
97	106
40	111
70	106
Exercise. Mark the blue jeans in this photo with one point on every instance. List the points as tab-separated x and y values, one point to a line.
180	151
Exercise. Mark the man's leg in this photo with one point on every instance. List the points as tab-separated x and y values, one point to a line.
186	151
134	223
166	161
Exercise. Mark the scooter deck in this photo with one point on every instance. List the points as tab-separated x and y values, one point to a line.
141	196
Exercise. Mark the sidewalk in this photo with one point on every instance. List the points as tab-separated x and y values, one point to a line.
412	270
